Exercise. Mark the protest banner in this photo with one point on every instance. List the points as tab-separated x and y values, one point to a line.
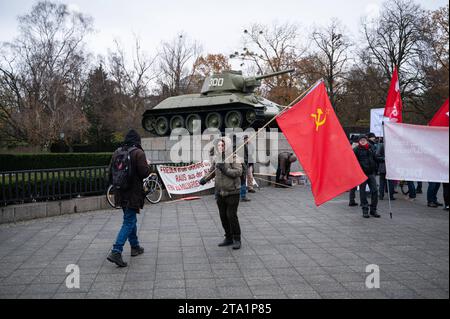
185	179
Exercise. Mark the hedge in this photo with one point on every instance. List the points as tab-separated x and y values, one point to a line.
18	162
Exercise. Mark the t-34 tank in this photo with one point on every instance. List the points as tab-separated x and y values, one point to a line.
227	100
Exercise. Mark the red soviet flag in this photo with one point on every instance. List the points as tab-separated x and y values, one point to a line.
441	116
393	108
317	138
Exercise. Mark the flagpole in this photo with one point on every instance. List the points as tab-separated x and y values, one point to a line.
387	181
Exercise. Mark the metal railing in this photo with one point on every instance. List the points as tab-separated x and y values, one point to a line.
18	187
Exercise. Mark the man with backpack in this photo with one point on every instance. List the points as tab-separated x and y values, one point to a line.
127	169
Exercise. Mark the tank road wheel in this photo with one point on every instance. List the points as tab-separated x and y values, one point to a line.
250	116
149	123
190	121
176	121
213	120
161	126
233	119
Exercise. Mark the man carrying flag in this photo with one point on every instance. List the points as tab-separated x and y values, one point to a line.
317	138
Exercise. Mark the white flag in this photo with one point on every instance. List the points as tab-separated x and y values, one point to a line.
416	152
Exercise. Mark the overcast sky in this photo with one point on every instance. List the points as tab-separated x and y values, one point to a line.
217	25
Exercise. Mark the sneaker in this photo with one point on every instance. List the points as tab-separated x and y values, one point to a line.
245	199
116	258
251	191
431	204
226	242
351	204
439	204
375	214
446	208
135	251
366	215
236	244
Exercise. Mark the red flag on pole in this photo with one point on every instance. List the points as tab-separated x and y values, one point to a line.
441	116
393	108
317	138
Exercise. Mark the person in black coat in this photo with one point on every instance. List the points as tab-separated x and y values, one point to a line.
368	161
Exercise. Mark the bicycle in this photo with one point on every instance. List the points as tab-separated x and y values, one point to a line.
152	188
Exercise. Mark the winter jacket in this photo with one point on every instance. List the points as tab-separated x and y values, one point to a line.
133	197
228	181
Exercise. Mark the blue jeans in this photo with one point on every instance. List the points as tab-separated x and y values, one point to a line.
412	189
128	230
432	191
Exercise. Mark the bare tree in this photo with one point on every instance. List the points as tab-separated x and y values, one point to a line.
42	75
395	39
332	57
133	82
176	63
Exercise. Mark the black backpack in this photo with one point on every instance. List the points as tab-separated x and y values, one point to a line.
121	169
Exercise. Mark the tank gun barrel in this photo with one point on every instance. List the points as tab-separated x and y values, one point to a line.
268	75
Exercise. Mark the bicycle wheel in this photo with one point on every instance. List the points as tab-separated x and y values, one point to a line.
154	193
110	196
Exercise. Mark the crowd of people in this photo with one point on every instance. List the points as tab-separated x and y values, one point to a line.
233	178
369	150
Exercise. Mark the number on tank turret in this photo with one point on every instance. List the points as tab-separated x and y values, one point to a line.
216	82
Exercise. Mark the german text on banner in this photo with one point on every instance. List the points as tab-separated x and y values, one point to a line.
185	179
416	152
317	138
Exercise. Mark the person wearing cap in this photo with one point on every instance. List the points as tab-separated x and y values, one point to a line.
372	139
131	200
368	161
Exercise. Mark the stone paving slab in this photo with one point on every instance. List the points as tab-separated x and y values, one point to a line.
290	249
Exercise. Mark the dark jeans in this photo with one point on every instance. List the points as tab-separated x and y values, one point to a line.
411	189
228	206
383	182
446	188
419	186
128	230
432	191
372	182
352	194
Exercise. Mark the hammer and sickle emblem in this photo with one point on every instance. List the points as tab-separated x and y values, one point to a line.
318	118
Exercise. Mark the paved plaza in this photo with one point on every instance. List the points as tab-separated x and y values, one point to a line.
290	249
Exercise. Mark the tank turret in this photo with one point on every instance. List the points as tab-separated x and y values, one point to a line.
226	100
